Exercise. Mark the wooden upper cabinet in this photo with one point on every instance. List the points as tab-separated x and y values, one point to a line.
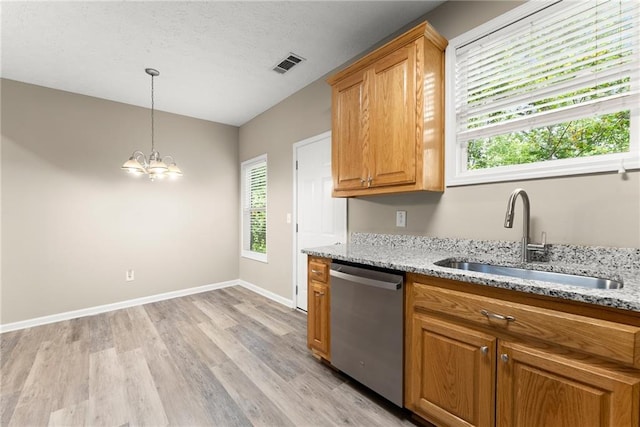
388	118
348	101
392	152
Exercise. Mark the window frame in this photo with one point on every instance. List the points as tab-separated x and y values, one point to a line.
455	153
245	233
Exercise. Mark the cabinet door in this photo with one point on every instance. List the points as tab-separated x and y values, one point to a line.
451	374
350	133
318	318
540	388
392	154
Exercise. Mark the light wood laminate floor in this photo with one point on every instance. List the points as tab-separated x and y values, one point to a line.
228	357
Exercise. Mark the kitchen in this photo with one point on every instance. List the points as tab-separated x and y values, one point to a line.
605	215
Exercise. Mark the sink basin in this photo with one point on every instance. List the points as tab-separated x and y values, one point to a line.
544	276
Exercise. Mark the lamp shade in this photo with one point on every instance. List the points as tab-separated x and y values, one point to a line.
174	170
133	166
157	167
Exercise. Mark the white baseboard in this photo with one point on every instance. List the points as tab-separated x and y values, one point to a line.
265	293
140	301
114	306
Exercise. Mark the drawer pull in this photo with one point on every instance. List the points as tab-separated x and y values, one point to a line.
316	271
320	293
484	349
490	315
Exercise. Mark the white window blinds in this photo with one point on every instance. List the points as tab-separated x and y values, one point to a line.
571	60
254	212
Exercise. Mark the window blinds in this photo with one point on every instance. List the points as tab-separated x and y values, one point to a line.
568	61
255	206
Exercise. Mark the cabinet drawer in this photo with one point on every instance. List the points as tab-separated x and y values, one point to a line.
318	270
603	338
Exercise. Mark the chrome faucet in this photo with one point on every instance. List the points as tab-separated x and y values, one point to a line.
526	246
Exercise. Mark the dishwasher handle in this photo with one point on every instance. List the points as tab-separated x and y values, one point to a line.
390	286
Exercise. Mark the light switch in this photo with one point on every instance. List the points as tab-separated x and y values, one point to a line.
401	218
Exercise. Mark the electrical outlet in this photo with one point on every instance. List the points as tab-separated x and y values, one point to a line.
130	275
401	218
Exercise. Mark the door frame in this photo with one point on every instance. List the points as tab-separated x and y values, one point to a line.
294	222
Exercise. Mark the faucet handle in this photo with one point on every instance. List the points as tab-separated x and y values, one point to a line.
539	246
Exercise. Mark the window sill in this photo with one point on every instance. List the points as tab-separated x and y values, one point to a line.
552	169
256	256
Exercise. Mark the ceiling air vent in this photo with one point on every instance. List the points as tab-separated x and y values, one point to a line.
288	63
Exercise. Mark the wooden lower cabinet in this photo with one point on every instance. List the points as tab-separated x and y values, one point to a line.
484	373
458	379
453	378
318	319
318	307
541	388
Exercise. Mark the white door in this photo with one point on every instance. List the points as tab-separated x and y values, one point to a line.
321	219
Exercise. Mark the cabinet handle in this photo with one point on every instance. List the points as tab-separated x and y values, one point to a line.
369	181
362	181
504	357
320	293
316	271
490	315
484	349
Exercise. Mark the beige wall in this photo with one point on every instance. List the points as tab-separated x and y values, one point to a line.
592	210
73	222
599	210
302	115
456	17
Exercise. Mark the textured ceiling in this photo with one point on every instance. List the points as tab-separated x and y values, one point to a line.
215	58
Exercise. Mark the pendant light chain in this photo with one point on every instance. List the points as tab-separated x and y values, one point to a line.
152	121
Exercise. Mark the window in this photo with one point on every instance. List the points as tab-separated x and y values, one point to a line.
547	89
254	208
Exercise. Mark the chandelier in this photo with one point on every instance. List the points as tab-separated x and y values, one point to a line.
154	166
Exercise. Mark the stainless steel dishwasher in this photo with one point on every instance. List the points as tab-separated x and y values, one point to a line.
366	327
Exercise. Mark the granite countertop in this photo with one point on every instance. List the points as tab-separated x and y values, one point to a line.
419	254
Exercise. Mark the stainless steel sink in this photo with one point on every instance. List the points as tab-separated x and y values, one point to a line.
544	276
